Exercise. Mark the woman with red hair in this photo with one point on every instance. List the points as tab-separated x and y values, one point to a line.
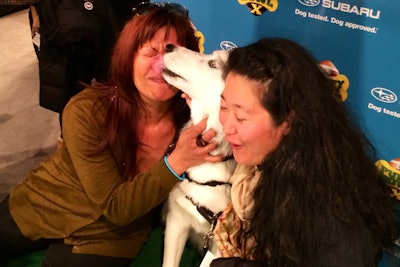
93	202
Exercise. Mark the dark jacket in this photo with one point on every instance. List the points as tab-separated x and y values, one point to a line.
77	37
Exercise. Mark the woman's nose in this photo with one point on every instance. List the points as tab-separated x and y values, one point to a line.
158	64
227	125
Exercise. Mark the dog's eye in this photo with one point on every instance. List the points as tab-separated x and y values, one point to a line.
212	64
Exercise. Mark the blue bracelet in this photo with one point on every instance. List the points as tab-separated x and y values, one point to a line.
180	177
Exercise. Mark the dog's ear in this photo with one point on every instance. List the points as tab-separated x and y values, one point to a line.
222	56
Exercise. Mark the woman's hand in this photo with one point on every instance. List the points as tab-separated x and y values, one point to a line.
188	152
187	98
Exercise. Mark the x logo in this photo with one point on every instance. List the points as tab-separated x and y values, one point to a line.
258	7
255	9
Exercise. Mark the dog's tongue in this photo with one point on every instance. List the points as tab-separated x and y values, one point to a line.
158	64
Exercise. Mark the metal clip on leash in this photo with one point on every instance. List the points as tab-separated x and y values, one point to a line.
210	233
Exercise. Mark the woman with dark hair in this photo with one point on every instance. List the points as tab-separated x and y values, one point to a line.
306	192
94	201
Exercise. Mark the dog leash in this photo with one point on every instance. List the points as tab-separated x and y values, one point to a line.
211	217
207	214
210	233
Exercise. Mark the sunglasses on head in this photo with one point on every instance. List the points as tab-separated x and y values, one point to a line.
144	8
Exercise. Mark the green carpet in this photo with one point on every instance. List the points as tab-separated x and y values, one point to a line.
150	256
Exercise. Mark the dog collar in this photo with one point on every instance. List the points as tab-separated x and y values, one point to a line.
209	183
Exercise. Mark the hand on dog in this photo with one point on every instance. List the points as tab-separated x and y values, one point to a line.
187	153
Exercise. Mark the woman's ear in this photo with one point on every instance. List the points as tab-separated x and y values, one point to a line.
288	123
285	128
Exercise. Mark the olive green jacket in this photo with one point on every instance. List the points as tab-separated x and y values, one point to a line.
84	199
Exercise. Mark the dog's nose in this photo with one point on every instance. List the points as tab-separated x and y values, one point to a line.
169	48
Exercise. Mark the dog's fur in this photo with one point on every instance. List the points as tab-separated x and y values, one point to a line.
200	76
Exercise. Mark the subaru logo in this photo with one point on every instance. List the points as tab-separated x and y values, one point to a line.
309	2
384	95
227	45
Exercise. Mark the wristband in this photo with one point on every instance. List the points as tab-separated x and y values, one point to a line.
180	177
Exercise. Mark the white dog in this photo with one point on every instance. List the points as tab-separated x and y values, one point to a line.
195	203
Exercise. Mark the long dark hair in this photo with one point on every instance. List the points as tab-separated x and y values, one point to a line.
322	175
124	101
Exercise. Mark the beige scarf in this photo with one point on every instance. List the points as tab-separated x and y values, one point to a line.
235	217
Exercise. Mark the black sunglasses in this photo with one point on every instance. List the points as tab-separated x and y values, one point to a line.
144	7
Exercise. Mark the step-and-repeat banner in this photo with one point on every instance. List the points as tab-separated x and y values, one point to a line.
361	39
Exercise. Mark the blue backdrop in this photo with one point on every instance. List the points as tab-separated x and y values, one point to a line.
360	38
